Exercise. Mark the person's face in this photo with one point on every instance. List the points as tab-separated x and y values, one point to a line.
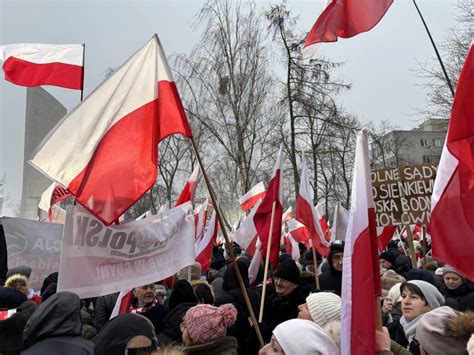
145	294
272	348
337	260
452	281
413	305
283	287
303	312
385	264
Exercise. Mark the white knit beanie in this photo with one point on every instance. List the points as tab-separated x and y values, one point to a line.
301	336
470	345
324	307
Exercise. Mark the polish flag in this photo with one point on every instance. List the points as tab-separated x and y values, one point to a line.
339	223
34	64
360	270
417	232
52	195
323	221
189	188
452	202
255	263
200	217
203	250
263	216
345	19
249	200
292	247
298	231
384	235
122	305
105	151
306	213
287	215
246	235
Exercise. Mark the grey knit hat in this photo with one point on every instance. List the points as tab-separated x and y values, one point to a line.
324	307
434	298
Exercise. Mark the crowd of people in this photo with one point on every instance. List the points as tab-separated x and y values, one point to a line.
425	310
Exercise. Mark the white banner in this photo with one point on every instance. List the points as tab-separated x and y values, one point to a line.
97	260
35	244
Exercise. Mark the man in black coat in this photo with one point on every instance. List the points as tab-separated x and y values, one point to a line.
331	280
146	303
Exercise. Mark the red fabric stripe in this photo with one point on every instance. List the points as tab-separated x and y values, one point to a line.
124	164
248	204
385	236
304	215
205	257
24	73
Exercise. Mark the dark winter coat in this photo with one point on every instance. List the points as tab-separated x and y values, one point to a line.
155	315
170	326
331	280
232	293
221	346
104	306
461	298
398	335
55	328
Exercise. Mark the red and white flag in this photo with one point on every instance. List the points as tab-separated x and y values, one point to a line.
249	200
323	221
255	263
35	64
384	235
200	217
203	250
292	247
246	235
306	212
262	218
189	188
452	202
345	19
298	231
52	195
360	267
287	215
105	151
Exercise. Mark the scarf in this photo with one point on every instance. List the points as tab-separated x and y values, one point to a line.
409	327
144	309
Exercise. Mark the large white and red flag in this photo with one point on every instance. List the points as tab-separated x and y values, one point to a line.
35	64
452	203
287	215
105	152
200	217
263	215
246	235
360	267
203	250
52	195
189	189
306	213
323	221
298	231
345	19
249	200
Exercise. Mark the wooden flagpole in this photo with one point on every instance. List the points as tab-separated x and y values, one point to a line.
315	263
424	245
230	251
411	246
267	260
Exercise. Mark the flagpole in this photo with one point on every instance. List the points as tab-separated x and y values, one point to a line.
424	246
435	49
267	259
411	246
83	69
315	262
228	244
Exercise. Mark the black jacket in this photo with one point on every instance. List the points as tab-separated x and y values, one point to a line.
331	280
170	326
461	298
155	315
398	335
104	306
55	328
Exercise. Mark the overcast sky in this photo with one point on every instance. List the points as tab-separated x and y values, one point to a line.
379	64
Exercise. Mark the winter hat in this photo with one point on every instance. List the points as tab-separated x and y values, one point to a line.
389	279
182	293
324	307
449	269
18	282
434	298
288	271
22	270
11	333
433	334
470	345
51	278
419	274
283	257
301	336
389	256
206	323
116	333
439	271
394	294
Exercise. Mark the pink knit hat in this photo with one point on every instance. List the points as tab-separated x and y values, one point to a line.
206	323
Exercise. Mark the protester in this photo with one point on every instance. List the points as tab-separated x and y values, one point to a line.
402	265
386	346
418	297
390	278
458	292
300	336
204	330
146	304
331	279
126	331
321	308
104	306
203	292
11	334
420	274
445	331
26	272
282	303
232	294
55	328
14	292
391	305
387	259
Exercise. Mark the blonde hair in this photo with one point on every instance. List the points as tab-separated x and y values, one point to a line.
18	282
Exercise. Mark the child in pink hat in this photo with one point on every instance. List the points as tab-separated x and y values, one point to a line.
204	329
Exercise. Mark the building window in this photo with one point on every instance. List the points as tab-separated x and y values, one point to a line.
427	159
437	142
424	142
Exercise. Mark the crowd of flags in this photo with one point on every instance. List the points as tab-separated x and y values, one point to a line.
105	156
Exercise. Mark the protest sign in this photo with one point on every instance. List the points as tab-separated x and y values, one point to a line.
97	260
35	244
402	195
